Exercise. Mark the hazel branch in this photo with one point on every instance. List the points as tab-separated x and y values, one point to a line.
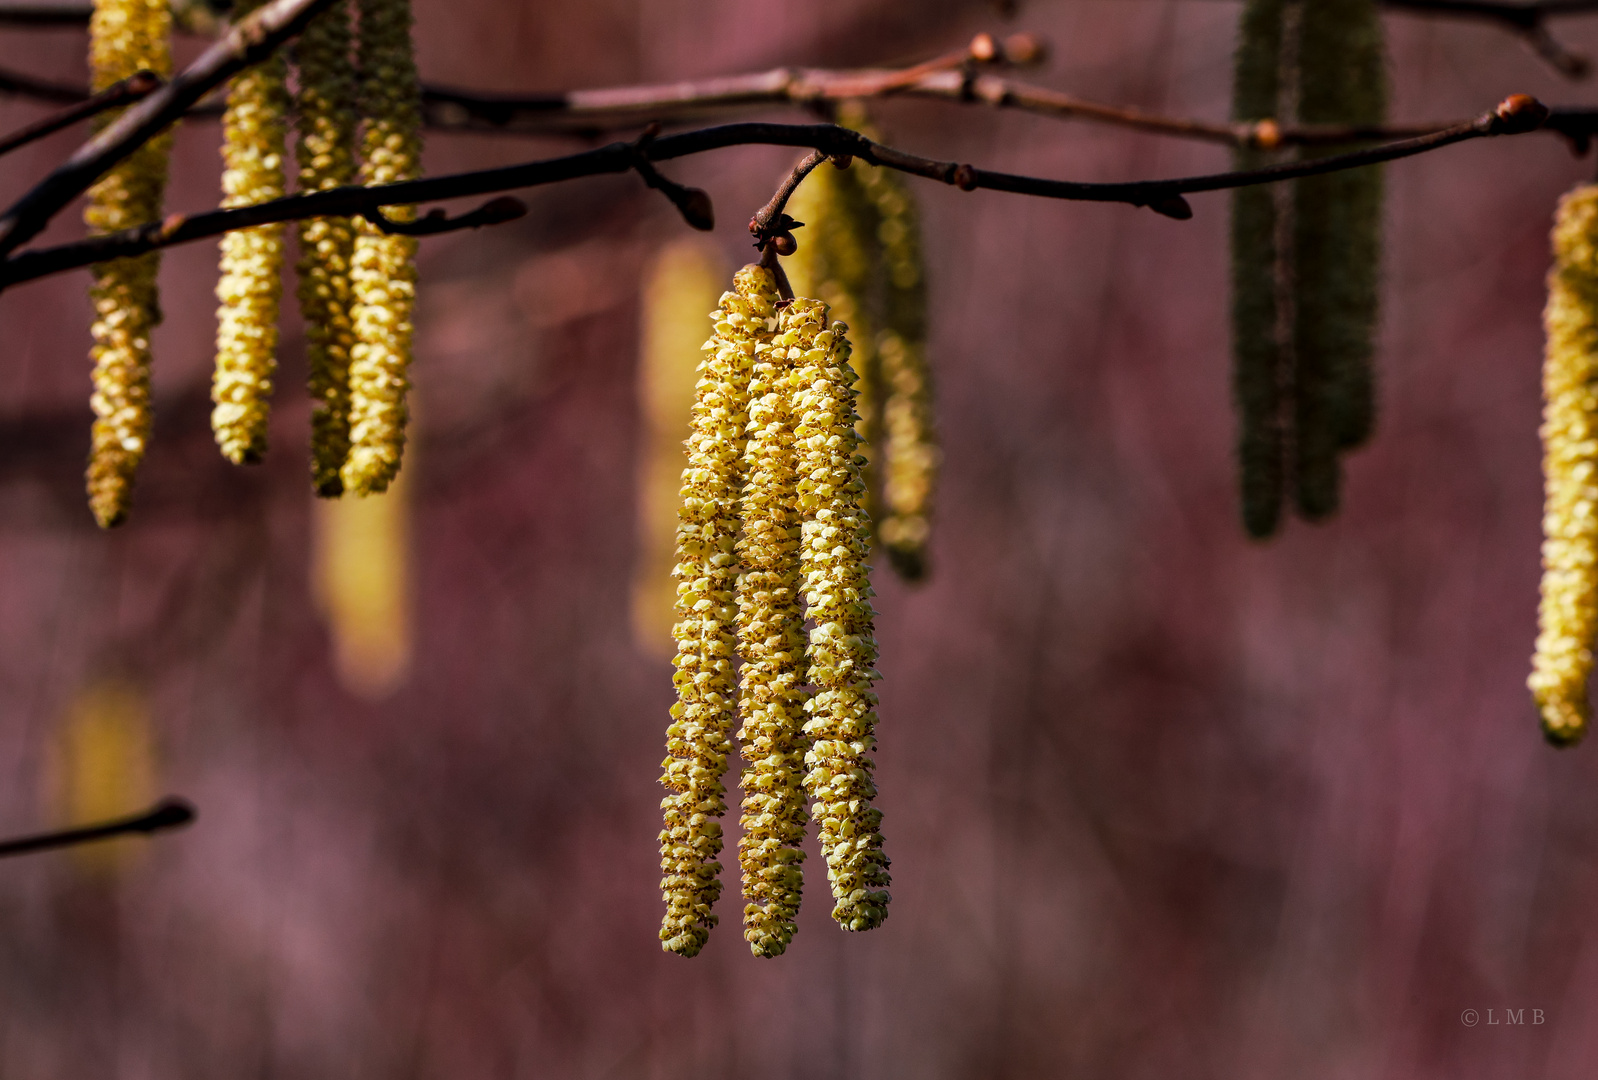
245	44
1518	114
170	813
494	212
136	87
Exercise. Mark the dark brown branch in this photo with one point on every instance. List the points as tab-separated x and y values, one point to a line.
494	212
693	204
769	222
245	44
1516	115
135	87
169	813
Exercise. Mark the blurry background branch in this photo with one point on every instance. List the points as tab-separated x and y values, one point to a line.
170	813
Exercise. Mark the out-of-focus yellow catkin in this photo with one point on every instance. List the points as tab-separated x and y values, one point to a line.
383	269
839	261
833	548
125	36
699	737
771	642
1568	614
681	284
104	765
910	454
362	586
326	155
252	259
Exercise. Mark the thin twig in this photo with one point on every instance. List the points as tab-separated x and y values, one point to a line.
769	221
136	87
169	813
494	212
1516	115
245	44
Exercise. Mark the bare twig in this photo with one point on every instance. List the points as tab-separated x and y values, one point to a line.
770	223
1516	115
249	42
136	87
1527	18
493	212
169	813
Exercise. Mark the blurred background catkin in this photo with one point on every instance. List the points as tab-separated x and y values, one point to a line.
1161	801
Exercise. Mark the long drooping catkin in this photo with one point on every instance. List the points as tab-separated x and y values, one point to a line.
326	155
1257	347
771	641
1337	250
909	440
833	548
125	36
252	259
1568	614
698	740
383	269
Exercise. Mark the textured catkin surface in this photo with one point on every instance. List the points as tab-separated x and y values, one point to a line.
251	284
125	36
383	267
910	454
326	155
833	548
1568	612
699	737
771	643
1257	376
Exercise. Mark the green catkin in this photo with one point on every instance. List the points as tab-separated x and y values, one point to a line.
125	36
252	259
771	643
1257	353
834	543
698	740
1337	245
910	454
326	155
383	267
1567	616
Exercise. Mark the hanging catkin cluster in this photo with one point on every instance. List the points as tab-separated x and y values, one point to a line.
1305	258
326	155
383	268
252	259
1568	614
862	255
699	738
125	36
842	652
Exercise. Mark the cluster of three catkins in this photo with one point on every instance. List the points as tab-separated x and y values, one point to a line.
771	529
356	283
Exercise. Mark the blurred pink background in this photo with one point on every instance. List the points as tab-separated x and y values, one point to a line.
1161	802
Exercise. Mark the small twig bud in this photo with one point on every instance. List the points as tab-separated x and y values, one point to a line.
965	178
1025	50
984	49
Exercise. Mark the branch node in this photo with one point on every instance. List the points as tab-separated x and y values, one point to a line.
1516	115
964	177
1172	206
493	212
692	203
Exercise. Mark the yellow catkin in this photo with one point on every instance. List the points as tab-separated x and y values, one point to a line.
1568	613
252	259
383	269
682	282
771	642
362	586
326	155
125	36
842	650
910	454
699	738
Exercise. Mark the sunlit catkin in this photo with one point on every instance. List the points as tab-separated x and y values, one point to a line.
771	642
699	737
834	543
383	269
125	36
910	452
252	259
1257	332
326	155
1568	614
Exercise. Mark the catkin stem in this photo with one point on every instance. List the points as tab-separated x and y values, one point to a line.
252	259
326	155
834	545
699	738
1567	616
125	36
383	268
